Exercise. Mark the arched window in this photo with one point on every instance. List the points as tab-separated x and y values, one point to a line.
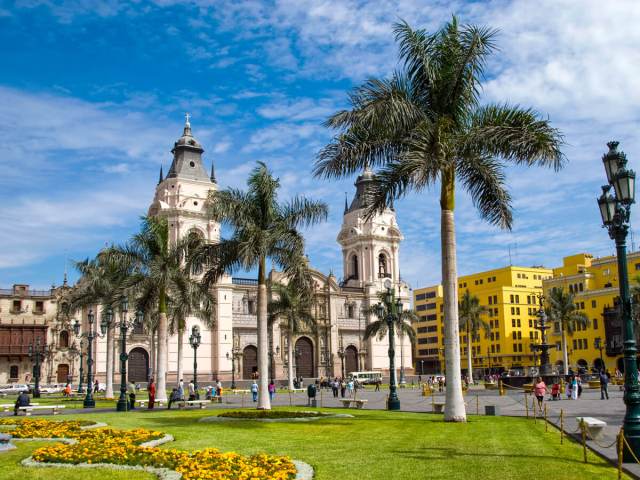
354	267
13	372
64	339
382	266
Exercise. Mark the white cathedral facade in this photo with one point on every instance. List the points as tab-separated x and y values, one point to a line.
370	250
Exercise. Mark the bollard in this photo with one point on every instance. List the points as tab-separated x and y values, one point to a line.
477	405
620	449
584	439
546	423
561	425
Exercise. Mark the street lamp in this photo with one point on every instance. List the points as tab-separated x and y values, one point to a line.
341	355
235	353
90	335
37	351
597	343
194	341
77	352
390	311
125	323
421	367
272	363
615	211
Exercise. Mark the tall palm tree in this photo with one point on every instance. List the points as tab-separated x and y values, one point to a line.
262	229
562	309
291	304
471	320
425	125
100	284
189	298
156	267
402	326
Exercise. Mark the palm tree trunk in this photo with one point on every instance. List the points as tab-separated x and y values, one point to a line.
290	353
454	410
110	356
565	356
180	354
469	362
161	384
263	339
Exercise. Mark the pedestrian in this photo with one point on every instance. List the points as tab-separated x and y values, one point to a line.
574	388
350	388
67	390
254	391
311	394
23	400
96	387
440	384
272	390
568	388
343	387
152	393
174	397
378	382
131	389
192	390
334	387
181	389
604	384
539	389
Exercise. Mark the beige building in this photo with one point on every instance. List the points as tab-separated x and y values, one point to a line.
370	255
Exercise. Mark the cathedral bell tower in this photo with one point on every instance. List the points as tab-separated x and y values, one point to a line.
370	247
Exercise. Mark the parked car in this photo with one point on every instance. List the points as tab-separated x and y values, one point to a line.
14	388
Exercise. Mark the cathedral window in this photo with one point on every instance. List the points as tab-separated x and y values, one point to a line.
382	266
64	339
354	267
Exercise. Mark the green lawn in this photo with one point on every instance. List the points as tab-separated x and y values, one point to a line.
374	445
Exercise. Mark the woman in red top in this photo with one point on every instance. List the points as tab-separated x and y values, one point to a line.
539	389
152	393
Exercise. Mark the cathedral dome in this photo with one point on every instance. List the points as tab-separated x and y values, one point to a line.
187	139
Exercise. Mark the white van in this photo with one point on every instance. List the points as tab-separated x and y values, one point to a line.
367	378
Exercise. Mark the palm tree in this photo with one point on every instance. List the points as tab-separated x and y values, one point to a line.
189	298
563	310
471	320
425	125
262	229
100	284
292	305
403	325
156	269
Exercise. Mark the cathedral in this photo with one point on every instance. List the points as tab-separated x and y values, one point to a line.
228	349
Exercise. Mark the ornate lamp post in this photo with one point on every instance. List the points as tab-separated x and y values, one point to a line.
125	323
389	311
194	341
88	402
37	351
615	211
75	351
235	353
341	355
272	363
543	347
597	343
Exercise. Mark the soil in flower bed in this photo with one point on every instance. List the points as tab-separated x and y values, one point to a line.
276	414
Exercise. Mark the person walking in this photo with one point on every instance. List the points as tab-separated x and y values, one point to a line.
604	384
334	387
174	397
539	389
378	382
96	386
192	390
152	393
254	391
343	387
574	388
131	389
272	390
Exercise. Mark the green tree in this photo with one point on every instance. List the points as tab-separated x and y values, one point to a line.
470	316
263	229
563	310
102	285
291	304
424	126
155	269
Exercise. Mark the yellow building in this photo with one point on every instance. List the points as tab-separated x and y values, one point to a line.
594	281
510	295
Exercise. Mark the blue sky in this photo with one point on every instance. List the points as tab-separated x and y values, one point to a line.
92	97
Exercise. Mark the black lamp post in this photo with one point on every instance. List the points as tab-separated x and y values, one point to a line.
341	355
37	351
77	352
597	343
235	353
194	341
125	323
390	311
272	363
88	402
615	211
421	367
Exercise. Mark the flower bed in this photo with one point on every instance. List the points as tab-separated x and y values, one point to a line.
125	447
262	414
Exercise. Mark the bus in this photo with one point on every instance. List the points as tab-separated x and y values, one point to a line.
367	378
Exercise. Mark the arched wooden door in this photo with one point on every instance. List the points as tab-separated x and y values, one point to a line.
350	359
138	365
304	358
249	362
62	374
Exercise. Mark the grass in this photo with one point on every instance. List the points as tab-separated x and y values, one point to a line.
373	445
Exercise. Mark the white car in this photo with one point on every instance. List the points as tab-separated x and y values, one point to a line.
14	388
56	388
